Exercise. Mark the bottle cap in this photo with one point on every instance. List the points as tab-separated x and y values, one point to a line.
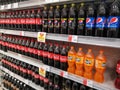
82	4
65	6
57	6
72	5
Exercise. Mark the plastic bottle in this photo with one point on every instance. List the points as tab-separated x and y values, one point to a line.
75	86
101	20
46	81
39	21
27	46
79	62
57	20
27	21
71	60
114	20
51	20
89	64
68	85
72	20
57	82
23	21
36	76
90	21
51	81
82	87
40	51
29	71
100	63
45	20
81	20
64	20
18	27
35	50
45	53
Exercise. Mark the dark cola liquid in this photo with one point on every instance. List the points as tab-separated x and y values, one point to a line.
32	21
40	51
45	54
36	77
51	55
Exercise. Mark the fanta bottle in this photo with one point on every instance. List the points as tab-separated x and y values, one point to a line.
79	62
100	64
89	64
71	60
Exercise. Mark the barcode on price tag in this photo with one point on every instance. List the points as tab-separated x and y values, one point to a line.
73	38
87	82
41	36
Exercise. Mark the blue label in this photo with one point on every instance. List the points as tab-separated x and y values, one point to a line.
90	22
113	22
101	22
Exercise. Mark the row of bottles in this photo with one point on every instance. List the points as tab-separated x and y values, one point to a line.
51	54
12	83
85	20
83	64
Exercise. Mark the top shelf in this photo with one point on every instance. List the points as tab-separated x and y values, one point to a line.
99	41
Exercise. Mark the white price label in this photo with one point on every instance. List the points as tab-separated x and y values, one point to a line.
26	81
8	6
22	33
1	67
15	5
2	7
41	36
73	38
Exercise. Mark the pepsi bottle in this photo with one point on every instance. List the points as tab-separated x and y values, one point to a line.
90	21
114	20
81	20
101	21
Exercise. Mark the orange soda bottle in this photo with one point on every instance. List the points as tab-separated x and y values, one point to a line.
100	63
71	60
79	62
89	64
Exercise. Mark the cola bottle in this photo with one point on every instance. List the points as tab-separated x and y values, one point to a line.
21	68
57	56
29	71
72	20
23	21
19	24
41	81
27	46
101	20
23	46
51	55
33	73
63	58
18	67
32	20
75	86
24	70
39	21
45	20
51	20
45	53
114	20
36	77
19	45
57	83
64	20
15	18
30	49
68	84
40	51
6	21
46	81
4	48
35	50
82	87
81	20
57	20
90	21
13	21
51	81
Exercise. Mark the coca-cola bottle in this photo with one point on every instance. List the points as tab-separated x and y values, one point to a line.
45	53
18	26
24	70
33	73
57	82
6	20
18	67
57	56
51	81
23	21
40	51
45	20
27	46
46	81
39	21
30	49
23	46
36	77
29	71
35	50
51	55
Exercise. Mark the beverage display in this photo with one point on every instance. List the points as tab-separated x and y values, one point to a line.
89	64
100	63
71	60
79	62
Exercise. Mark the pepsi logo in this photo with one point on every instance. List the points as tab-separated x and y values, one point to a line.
99	20
113	20
70	21
63	21
88	20
80	21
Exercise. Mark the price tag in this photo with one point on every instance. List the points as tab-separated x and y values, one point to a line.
63	74
73	38
88	82
15	5
42	71
12	74
26	81
22	33
41	36
2	7
9	6
1	68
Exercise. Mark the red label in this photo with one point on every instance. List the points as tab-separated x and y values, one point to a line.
40	52
33	74
35	51
63	58
14	21
46	80
38	21
50	55
30	50
36	75
56	57
118	68
27	21
32	21
22	48
18	21
18	47
24	70
41	78
84	81
29	72
23	21
45	53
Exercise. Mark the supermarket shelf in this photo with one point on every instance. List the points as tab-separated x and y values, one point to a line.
37	87
100	41
105	86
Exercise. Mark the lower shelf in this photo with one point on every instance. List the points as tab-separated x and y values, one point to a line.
22	79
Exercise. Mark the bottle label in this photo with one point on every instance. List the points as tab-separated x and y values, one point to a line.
27	20
18	21
50	55
22	48
32	21
57	22
35	51
46	80
63	58
89	62
33	74
30	50
38	21
29	72
40	52
41	78
71	22
24	70
90	22
45	22
36	76
118	68
101	22
23	21
56	57
100	64
26	49
63	22
50	22
14	21
45	53
81	21
79	60
113	22
71	57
